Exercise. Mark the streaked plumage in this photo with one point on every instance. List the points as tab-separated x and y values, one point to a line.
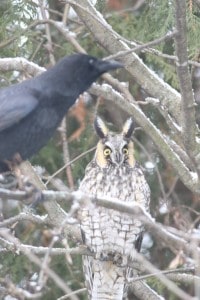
109	234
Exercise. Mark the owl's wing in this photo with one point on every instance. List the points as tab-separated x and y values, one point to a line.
88	272
138	242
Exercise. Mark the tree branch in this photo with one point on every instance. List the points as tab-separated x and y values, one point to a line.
188	102
139	48
174	241
142	291
33	258
113	43
189	179
168	283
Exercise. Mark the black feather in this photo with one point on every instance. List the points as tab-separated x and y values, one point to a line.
31	111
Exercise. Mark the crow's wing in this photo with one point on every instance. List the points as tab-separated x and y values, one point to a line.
13	107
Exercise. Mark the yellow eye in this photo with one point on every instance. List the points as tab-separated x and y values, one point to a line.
125	151
107	151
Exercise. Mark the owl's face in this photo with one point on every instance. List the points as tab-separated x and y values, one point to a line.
114	149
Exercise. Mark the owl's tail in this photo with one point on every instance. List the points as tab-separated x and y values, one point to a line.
104	280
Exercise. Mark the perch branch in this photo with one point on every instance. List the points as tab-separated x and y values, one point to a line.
188	103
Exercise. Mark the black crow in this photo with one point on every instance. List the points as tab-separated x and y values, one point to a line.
31	111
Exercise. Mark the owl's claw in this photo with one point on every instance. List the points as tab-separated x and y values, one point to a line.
116	258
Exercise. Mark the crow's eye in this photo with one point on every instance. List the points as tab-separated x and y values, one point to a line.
107	151
91	61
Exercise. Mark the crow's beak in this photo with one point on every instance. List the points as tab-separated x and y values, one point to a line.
107	65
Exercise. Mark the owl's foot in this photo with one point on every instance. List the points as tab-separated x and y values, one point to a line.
106	256
115	257
118	260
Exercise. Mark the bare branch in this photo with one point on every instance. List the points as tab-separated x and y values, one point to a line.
66	155
183	278
23	216
20	64
175	129
10	246
57	216
73	293
33	258
170	285
112	42
188	178
142	291
139	48
12	289
170	57
188	102
48	33
172	240
69	163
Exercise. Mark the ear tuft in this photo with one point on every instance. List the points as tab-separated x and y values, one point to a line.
128	128
100	127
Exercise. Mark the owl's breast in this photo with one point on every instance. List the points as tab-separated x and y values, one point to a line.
124	183
107	229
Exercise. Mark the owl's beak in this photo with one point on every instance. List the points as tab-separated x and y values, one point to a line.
117	159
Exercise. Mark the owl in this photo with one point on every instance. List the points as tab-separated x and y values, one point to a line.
111	235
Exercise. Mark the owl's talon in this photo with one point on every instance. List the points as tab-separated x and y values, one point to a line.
118	259
105	256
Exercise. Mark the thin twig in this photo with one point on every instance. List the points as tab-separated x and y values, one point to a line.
166	272
170	285
73	293
66	155
23	216
48	33
139	48
69	163
33	258
162	188
170	57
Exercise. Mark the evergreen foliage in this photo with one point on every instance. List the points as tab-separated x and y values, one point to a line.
19	37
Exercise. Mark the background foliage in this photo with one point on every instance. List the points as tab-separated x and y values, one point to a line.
172	203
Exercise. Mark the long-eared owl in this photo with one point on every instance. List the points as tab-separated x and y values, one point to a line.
109	234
